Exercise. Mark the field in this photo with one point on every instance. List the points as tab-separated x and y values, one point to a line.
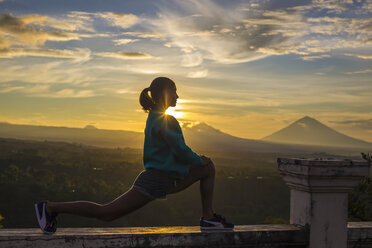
249	189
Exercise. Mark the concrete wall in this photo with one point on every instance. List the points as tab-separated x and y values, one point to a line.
273	236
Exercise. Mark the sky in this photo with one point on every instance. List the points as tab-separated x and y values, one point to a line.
248	68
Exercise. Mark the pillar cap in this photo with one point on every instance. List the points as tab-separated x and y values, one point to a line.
323	162
322	175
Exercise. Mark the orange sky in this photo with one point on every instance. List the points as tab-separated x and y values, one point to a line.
248	68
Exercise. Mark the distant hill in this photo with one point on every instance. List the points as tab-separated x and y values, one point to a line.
199	136
309	131
206	138
89	135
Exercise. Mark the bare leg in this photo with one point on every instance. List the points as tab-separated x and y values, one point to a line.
204	174
124	204
206	192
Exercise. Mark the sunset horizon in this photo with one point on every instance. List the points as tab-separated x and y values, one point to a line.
247	68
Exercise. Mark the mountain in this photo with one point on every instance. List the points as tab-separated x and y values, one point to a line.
309	131
203	137
89	135
199	136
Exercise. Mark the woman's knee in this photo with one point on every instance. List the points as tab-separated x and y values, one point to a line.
210	169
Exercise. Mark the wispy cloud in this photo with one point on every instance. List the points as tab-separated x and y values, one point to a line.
56	72
124	41
46	90
359	72
26	35
124	55
73	21
363	124
78	54
123	20
70	93
198	74
226	35
312	58
248	32
359	56
11	89
191	59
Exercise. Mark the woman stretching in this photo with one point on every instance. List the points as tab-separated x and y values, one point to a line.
170	166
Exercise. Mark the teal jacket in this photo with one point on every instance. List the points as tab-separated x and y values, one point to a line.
165	147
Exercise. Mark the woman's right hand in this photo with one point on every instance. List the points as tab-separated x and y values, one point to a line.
205	160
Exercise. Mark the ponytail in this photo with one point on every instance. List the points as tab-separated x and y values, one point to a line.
146	101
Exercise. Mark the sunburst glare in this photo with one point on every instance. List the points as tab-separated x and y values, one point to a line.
175	111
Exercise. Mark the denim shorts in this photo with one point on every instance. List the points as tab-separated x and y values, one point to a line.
154	183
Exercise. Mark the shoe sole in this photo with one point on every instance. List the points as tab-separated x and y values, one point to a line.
38	219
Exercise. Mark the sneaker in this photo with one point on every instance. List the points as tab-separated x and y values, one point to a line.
47	223
218	222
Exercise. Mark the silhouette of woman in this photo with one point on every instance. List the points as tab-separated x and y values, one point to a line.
170	166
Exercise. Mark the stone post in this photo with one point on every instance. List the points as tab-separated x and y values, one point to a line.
319	196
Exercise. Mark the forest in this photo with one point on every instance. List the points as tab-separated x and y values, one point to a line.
248	187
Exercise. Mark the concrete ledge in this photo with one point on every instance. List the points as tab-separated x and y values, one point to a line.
242	236
275	236
359	234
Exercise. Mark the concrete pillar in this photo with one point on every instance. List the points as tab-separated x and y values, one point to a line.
319	196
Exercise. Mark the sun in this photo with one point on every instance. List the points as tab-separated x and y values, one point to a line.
175	112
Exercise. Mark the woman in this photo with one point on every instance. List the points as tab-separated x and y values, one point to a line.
170	166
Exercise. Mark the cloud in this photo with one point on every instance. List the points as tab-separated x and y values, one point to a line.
191	59
127	91
79	54
245	32
331	6
312	58
363	124
145	35
359	72
18	31
198	74
11	89
75	20
359	56
124	55
46	90
123	20
228	35
55	72
4	43
25	88
318	49
71	93
124	41
278	50
303	125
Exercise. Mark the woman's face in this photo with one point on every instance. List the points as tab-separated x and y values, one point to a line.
171	96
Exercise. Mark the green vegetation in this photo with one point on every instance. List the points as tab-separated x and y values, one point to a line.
367	157
360	200
248	188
